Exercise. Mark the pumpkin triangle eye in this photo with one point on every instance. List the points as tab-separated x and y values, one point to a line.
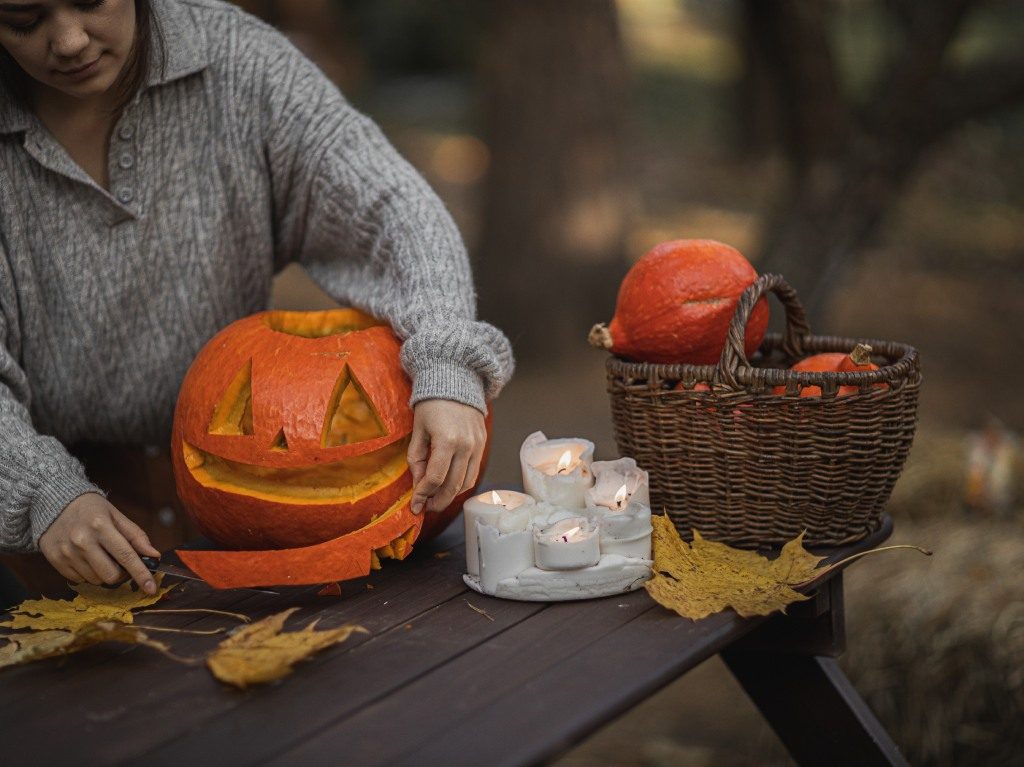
350	415
233	414
280	441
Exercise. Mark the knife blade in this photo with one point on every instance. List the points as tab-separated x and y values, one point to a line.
154	565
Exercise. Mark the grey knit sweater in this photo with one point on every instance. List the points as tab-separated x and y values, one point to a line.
237	157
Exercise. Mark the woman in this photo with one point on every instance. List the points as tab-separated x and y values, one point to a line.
160	160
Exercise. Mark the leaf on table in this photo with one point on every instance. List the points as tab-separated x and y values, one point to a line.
37	645
260	652
93	603
706	577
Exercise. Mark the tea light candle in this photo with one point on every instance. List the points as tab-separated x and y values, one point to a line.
502	555
557	470
487	507
617	483
567	545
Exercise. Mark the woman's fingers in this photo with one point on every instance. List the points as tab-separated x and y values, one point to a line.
105	568
441	453
124	553
419	452
135	535
453	482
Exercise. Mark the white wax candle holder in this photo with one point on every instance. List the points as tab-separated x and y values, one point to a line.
567	537
557	470
488	507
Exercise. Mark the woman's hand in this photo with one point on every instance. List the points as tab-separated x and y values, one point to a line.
91	537
447	446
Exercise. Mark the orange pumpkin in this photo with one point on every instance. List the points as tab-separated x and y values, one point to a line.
859	360
676	303
290	439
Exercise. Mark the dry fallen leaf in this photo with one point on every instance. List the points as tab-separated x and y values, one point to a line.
261	653
37	645
93	603
706	577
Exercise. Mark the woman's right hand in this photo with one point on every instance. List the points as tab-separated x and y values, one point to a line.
90	538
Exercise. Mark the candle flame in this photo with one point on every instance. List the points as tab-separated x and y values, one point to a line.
620	496
569	533
565	461
495	498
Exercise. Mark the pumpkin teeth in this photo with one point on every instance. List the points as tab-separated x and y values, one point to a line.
399	548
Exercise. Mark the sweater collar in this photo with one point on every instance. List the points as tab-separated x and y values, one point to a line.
181	53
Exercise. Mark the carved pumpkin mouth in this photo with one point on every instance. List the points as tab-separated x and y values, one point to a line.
347	480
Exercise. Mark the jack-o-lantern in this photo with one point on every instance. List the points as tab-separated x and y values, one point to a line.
290	440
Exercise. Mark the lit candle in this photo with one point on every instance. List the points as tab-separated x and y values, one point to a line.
557	470
487	507
567	545
617	483
626	532
502	555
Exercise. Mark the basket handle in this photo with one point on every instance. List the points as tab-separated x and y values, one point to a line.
734	355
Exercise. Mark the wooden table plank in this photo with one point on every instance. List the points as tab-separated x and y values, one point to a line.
545	685
122	709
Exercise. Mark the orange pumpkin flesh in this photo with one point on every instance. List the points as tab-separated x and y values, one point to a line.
290	439
676	303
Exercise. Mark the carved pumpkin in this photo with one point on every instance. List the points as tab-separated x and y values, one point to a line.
290	439
676	303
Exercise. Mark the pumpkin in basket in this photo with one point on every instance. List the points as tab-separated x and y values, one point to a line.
675	305
859	360
290	440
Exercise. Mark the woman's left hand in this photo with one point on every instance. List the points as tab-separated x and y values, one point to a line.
448	440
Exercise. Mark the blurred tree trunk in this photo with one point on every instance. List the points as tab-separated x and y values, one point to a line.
554	90
849	163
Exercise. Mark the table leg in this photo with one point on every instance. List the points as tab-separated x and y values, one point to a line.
787	668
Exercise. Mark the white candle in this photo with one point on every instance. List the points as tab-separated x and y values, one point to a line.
502	555
557	470
487	507
567	545
616	483
626	532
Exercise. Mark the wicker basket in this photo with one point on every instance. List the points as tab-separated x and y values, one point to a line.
744	465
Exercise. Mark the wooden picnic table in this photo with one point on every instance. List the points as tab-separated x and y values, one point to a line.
434	682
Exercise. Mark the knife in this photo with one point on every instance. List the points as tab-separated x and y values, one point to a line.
154	565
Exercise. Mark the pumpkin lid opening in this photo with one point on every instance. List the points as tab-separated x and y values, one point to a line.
332	322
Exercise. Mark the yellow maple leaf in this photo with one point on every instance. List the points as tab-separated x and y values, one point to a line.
706	577
93	603
261	653
37	645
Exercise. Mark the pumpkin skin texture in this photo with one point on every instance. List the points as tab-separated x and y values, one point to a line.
290	439
676	303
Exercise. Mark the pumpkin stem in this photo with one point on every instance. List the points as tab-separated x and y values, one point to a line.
861	354
600	337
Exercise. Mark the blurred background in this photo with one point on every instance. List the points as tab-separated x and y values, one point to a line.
872	151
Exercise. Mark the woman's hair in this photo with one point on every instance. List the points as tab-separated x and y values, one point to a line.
18	83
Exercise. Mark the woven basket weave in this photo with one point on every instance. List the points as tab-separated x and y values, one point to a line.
752	468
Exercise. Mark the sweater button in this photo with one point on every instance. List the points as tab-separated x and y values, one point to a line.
126	161
125	132
125	194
